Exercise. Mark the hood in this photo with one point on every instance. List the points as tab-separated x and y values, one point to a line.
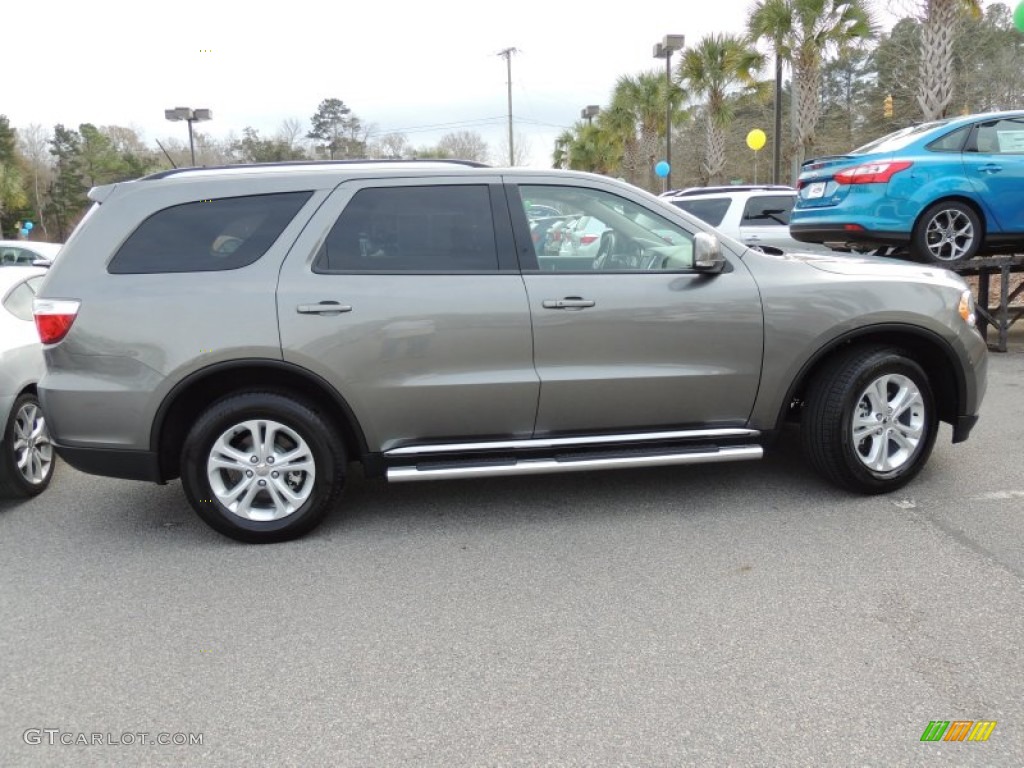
873	266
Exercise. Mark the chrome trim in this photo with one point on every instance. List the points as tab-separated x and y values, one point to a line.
557	442
546	466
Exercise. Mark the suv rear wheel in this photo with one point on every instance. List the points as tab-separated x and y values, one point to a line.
870	420
262	467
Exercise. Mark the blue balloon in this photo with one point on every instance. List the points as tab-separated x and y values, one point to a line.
24	232
662	169
29	225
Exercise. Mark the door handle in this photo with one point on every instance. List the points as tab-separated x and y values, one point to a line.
569	302
323	308
990	168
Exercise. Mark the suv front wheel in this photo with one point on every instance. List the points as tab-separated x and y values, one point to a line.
262	467
870	421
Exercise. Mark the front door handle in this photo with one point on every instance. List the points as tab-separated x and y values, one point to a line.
990	168
323	308
569	302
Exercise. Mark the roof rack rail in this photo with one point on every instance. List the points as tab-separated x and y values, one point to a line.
282	163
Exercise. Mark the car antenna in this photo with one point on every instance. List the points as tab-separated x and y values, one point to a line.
165	153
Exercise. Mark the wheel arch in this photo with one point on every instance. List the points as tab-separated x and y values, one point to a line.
928	349
973	204
195	393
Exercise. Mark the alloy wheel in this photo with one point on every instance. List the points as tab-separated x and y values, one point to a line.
889	423
261	470
33	451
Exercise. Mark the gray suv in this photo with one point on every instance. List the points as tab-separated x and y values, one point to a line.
254	329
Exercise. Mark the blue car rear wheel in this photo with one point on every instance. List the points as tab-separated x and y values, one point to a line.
949	232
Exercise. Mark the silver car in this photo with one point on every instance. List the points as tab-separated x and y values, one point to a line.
26	455
254	329
27	252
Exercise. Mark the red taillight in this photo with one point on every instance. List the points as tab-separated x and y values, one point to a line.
54	318
871	173
587	239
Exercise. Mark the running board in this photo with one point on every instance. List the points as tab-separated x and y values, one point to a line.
467	468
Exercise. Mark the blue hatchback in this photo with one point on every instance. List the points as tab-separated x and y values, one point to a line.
941	192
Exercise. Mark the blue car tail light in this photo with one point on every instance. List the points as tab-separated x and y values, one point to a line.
871	173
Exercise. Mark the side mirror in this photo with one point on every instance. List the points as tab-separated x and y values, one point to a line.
707	253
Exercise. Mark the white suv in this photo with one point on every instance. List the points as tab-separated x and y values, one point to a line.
755	215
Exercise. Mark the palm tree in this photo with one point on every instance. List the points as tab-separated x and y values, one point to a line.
940	22
803	33
587	147
718	64
637	116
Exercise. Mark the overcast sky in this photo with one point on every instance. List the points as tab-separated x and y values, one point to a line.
416	67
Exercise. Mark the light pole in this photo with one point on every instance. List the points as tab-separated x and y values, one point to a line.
664	50
589	112
507	54
192	116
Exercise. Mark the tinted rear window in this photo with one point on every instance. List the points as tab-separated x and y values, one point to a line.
413	229
206	236
768	210
712	210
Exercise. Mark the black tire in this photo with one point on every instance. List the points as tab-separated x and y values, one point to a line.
297	419
839	393
14	484
948	233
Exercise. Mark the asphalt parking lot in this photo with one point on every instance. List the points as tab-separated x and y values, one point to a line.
742	614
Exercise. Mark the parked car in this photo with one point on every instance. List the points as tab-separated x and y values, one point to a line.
546	227
22	252
584	238
26	455
398	315
755	215
940	192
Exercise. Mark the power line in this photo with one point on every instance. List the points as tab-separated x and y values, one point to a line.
436	126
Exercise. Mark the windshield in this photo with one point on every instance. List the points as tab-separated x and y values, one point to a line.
897	140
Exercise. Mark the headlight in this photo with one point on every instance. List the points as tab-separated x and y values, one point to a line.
966	308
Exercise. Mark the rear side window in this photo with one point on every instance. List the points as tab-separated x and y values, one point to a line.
768	210
413	229
209	235
951	142
711	210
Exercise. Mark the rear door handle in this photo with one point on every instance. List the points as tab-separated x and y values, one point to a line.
990	168
323	308
569	302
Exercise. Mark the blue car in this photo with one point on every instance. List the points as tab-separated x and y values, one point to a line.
940	192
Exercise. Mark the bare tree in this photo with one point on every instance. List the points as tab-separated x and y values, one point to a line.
291	133
34	144
520	154
465	145
390	146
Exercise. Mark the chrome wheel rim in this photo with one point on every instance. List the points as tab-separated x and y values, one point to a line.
889	423
261	470
33	451
949	235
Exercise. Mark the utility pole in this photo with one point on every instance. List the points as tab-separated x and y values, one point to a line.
507	54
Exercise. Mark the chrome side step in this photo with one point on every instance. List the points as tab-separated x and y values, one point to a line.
529	444
467	468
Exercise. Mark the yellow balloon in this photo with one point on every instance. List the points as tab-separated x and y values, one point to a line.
756	139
